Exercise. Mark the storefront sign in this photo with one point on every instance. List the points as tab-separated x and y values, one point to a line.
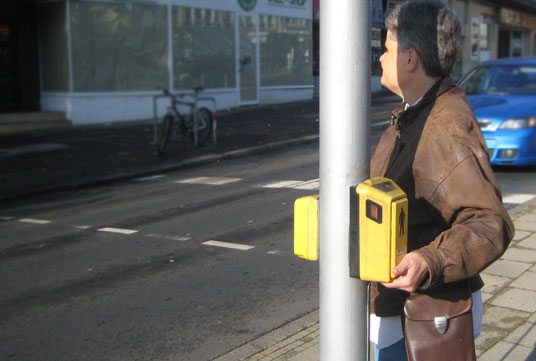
517	18
247	5
291	3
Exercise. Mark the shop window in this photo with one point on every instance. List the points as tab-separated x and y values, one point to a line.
53	47
517	44
118	46
377	50
203	48
286	51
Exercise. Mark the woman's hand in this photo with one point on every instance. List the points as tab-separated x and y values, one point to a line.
409	273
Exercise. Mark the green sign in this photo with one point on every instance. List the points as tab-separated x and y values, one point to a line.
247	4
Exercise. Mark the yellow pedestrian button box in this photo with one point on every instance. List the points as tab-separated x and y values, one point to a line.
306	227
378	230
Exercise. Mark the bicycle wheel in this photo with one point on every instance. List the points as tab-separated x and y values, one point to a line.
204	126
167	125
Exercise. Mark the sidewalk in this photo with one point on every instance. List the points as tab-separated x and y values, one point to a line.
50	160
509	326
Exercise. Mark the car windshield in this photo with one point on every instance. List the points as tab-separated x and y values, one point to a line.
501	79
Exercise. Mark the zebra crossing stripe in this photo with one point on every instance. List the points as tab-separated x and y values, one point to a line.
293	184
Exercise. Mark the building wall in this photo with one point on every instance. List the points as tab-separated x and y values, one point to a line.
115	54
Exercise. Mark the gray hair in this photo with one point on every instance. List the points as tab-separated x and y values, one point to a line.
432	29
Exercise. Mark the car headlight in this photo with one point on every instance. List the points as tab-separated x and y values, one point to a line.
519	123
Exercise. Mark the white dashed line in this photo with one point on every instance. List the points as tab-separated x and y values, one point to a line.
117	230
214	181
82	227
149	178
6	218
34	221
240	247
518	198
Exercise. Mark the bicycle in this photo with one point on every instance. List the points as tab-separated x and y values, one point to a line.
198	124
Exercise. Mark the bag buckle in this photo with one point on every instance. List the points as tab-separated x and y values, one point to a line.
441	324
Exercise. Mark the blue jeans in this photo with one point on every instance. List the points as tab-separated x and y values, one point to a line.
395	352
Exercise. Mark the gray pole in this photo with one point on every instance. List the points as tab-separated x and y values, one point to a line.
345	53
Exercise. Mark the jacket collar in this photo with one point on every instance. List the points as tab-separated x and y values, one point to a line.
442	86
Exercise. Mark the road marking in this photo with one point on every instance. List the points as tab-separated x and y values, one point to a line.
518	198
312	184
82	227
34	221
214	181
149	178
6	218
380	124
173	238
240	247
293	184
117	230
282	184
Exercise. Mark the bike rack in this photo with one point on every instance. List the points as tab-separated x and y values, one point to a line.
211	100
155	115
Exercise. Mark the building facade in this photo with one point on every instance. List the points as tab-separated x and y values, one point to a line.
104	60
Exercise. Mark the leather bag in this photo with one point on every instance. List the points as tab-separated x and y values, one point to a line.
438	326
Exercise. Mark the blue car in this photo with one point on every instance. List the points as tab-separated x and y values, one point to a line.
502	93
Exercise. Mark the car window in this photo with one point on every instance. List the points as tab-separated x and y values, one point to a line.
501	79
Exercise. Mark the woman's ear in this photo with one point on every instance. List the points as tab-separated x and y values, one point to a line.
413	59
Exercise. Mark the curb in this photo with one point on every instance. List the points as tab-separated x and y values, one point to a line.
134	173
281	338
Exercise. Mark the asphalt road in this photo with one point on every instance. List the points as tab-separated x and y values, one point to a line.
124	271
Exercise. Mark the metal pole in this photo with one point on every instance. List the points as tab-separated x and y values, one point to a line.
345	53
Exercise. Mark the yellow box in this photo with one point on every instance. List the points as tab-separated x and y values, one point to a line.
383	228
306	227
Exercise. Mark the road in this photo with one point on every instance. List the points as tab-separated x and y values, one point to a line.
179	266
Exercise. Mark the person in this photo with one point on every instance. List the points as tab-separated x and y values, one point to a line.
434	150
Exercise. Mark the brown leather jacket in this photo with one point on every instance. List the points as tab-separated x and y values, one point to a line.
436	153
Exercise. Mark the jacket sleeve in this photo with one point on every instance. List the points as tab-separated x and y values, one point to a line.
479	228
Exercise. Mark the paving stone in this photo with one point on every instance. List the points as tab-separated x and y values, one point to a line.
532	318
507	268
486	296
503	318
503	351
523	335
526	281
489	336
519	235
520	254
493	283
529	242
517	299
525	225
528	217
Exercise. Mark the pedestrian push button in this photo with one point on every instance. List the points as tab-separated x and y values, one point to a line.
306	227
378	229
